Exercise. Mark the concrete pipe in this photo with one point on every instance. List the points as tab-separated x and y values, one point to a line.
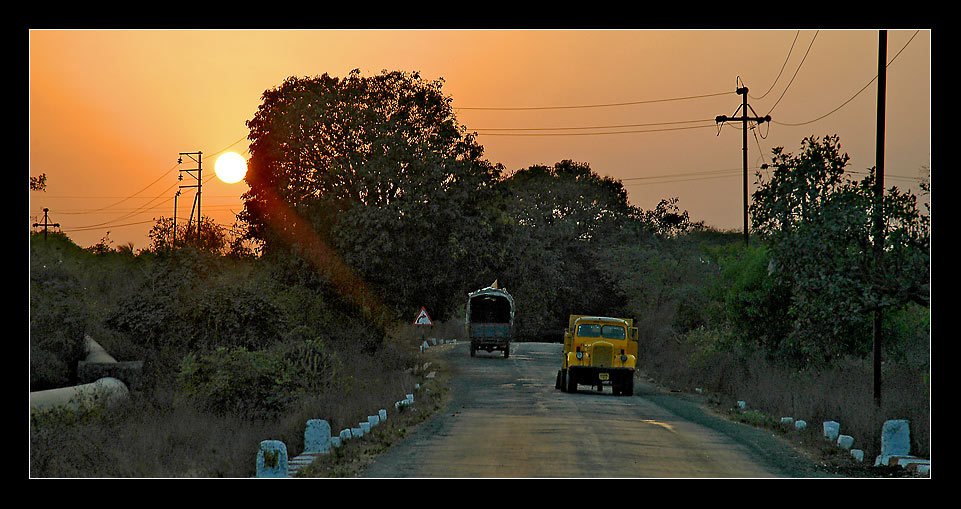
96	353
108	391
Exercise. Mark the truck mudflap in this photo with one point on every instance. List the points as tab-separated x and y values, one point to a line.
621	380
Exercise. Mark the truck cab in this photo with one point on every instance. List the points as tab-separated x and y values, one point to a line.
599	351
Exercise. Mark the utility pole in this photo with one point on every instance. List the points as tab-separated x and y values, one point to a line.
173	234
744	120
45	224
879	205
199	170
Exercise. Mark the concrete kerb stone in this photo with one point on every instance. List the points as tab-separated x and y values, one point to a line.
895	441
858	455
317	436
831	430
896	438
272	459
845	442
896	448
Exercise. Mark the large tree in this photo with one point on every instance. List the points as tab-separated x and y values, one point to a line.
561	217
819	226
374	181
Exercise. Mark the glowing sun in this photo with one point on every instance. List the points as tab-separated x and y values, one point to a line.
230	167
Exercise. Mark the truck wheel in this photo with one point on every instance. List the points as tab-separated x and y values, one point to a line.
558	378
569	383
629	388
472	350
507	351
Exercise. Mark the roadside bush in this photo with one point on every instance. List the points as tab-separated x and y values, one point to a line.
57	323
752	299
256	383
235	380
184	304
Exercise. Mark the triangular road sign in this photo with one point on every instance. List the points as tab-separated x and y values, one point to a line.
423	318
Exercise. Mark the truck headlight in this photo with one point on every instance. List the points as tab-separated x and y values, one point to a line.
623	358
579	355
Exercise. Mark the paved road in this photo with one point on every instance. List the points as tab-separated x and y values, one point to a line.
506	419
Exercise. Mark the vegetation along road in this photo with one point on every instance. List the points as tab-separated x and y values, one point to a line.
506	419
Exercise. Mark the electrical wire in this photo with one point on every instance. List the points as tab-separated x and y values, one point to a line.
600	133
730	173
782	67
145	206
856	94
795	72
621	126
590	105
148	186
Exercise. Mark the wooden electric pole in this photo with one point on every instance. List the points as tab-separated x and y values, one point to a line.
46	222
744	120
879	205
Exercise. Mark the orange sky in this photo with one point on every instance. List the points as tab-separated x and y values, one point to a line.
111	110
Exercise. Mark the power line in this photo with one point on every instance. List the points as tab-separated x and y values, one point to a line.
164	174
734	173
621	126
795	72
152	208
782	67
599	133
142	208
856	94
492	108
89	228
686	174
138	192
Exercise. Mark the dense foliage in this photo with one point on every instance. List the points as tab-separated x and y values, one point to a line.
372	181
828	271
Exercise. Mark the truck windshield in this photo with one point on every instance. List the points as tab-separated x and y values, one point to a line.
593	330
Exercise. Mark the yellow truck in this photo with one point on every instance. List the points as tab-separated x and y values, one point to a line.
599	351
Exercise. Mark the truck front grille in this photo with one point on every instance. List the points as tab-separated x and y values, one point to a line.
601	354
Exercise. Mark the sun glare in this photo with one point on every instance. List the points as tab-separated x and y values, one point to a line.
230	167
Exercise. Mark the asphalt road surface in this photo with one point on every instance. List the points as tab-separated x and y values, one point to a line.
506	420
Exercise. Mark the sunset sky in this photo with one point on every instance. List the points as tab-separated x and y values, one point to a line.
110	110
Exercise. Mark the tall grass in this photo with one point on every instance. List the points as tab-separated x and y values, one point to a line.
842	392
